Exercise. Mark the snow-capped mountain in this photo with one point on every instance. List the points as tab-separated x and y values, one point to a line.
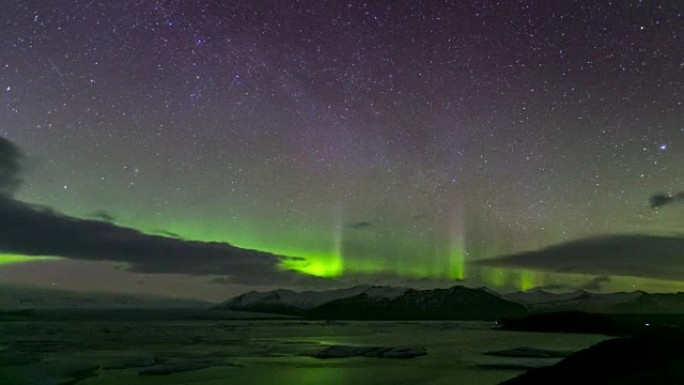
380	302
458	302
293	302
621	302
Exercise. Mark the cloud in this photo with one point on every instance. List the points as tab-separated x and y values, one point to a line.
103	215
11	159
395	280
30	230
596	283
660	200
360	225
169	234
554	287
636	255
40	231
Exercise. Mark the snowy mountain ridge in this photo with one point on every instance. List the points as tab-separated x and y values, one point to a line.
379	302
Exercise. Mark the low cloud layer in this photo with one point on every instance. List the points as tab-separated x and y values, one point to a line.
596	283
10	167
660	200
648	256
32	230
360	225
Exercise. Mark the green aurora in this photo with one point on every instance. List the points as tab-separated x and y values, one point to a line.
331	259
9	259
328	247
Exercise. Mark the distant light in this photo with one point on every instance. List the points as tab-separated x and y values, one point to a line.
647	324
662	147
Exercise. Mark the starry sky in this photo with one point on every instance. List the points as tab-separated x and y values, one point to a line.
404	142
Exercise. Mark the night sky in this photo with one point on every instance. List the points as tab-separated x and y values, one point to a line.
399	142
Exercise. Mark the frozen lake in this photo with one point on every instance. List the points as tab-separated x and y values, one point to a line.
261	352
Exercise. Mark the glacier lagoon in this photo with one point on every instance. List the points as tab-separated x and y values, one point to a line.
213	352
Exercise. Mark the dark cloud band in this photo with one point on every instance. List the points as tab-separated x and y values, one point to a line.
660	200
635	255
32	230
10	167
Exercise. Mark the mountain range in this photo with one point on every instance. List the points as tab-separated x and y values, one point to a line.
380	302
621	302
367	302
458	302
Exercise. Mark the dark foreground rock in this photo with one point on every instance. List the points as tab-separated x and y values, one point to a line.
342	351
646	359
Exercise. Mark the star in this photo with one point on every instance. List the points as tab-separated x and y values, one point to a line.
272	128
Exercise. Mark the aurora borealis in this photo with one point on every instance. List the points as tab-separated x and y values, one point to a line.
385	141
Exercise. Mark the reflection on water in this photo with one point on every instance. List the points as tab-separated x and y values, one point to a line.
278	352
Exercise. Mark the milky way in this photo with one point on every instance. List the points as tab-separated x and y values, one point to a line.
380	139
